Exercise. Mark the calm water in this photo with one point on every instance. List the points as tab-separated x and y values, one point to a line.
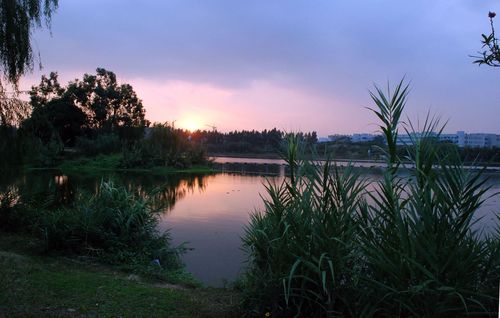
208	211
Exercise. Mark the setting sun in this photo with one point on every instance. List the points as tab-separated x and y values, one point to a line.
190	123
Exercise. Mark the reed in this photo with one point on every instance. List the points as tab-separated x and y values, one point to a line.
114	225
327	246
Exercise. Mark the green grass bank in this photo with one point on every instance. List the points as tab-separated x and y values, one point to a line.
37	285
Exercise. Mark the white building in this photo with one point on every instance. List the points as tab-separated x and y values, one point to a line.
461	139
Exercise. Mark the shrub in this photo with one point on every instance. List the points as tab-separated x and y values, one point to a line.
114	225
101	144
11	217
163	146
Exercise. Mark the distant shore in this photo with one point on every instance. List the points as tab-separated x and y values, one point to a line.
363	163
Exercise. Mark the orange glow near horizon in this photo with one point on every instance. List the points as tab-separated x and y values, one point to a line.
259	105
191	123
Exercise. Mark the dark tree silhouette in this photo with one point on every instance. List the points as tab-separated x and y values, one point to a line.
107	106
58	117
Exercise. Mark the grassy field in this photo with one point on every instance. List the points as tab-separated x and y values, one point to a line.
33	285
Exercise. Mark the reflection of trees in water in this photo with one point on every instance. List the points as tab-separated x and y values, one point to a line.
39	188
251	168
49	189
174	188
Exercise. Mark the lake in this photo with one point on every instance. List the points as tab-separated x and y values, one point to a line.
208	211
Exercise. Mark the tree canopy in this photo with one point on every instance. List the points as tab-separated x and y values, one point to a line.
95	103
18	18
60	117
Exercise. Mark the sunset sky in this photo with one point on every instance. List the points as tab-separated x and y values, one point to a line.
294	65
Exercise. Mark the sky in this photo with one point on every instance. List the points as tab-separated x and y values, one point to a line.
297	65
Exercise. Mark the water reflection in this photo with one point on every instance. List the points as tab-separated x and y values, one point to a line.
60	189
213	222
165	195
252	168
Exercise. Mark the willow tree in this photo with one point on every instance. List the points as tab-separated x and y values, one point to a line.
18	19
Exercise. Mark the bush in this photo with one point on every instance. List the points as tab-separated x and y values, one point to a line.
325	246
101	144
11	217
163	146
113	225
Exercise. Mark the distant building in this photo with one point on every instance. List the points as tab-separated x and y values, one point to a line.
407	139
479	140
337	137
362	137
461	139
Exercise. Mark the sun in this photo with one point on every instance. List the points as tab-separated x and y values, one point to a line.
190	123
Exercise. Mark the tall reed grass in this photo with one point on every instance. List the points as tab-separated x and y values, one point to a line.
114	225
327	246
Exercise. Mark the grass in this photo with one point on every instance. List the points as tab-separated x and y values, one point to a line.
41	286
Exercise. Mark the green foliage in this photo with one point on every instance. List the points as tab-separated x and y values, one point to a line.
422	256
11	151
389	110
107	107
303	246
344	148
34	286
115	225
101	144
11	219
245	141
326	246
12	112
17	20
108	104
12	109
58	117
164	145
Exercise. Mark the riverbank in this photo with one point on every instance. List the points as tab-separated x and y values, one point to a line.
111	163
37	285
99	164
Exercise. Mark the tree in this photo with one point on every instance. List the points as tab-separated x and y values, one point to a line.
12	110
107	106
48	90
491	55
59	117
18	18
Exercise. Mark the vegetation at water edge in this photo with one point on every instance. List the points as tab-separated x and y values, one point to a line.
328	245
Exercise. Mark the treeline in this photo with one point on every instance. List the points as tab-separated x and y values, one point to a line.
91	116
344	148
247	141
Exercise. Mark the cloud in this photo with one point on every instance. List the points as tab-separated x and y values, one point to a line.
328	51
